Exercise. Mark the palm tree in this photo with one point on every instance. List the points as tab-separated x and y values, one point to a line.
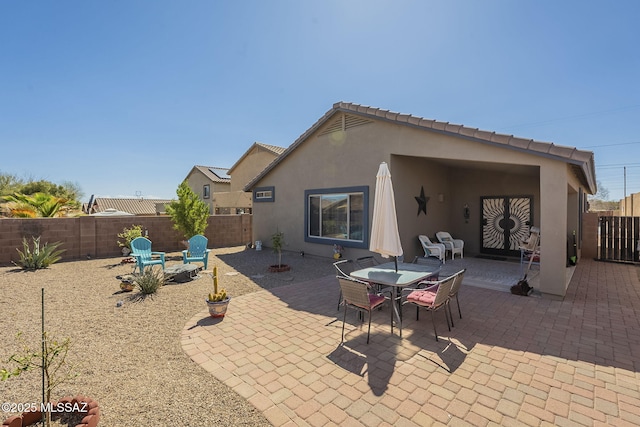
35	205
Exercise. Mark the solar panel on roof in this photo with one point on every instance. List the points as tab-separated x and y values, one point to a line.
220	172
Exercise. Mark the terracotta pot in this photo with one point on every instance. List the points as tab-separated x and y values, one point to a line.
86	408
218	308
279	268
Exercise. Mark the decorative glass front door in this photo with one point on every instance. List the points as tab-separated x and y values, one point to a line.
505	223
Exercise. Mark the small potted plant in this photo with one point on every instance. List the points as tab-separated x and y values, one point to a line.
127	235
337	251
126	283
277	242
217	301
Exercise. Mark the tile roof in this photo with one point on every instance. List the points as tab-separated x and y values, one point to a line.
137	206
581	160
273	148
276	151
215	174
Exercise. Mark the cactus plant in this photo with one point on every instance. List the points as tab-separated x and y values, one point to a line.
217	301
216	296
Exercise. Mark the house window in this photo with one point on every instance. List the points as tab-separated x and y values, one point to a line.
205	191
264	194
337	215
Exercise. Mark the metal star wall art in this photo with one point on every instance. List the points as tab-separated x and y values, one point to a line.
422	201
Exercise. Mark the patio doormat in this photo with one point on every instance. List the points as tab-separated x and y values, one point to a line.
499	258
492	257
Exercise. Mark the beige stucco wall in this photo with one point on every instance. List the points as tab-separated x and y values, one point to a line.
417	158
197	180
251	165
232	199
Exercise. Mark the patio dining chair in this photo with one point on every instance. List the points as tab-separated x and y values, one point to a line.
141	251
366	261
356	295
432	298
370	261
343	268
432	262
455	288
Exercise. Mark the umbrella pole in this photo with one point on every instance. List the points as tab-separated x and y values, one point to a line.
395	261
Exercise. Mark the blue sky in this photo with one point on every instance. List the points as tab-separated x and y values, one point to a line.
125	97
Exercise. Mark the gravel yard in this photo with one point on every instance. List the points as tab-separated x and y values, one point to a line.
129	358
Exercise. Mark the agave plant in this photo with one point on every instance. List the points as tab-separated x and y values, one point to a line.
38	257
150	281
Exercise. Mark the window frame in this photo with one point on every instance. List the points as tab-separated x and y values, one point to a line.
364	244
206	191
257	190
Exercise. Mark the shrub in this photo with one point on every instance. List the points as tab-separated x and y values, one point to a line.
50	358
150	281
38	257
128	234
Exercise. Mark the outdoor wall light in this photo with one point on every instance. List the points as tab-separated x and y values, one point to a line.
466	213
441	198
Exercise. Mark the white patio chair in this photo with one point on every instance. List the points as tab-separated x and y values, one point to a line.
455	246
530	249
431	249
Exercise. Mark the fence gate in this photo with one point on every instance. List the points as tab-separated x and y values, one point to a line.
619	238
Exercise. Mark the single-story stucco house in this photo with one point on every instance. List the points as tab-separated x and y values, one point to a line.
482	187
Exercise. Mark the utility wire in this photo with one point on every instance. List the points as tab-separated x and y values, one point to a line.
612	145
575	117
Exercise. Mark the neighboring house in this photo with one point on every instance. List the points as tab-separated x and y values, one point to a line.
206	181
483	187
250	164
223	189
137	206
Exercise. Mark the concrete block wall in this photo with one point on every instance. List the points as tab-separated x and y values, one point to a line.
97	236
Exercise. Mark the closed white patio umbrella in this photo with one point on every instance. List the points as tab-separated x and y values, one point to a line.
385	238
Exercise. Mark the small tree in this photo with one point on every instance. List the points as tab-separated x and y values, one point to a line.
52	360
277	242
189	214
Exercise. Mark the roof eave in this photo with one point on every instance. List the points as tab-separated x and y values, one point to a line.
571	155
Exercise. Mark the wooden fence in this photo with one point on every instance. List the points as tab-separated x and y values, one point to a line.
619	237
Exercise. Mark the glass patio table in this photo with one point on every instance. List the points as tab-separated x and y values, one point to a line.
386	275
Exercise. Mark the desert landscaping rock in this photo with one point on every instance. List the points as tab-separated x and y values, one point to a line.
129	357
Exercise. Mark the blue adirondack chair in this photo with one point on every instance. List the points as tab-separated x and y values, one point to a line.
141	251
197	251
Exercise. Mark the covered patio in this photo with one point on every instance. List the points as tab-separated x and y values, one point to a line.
483	187
510	360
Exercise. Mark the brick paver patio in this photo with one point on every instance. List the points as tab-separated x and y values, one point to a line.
511	360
